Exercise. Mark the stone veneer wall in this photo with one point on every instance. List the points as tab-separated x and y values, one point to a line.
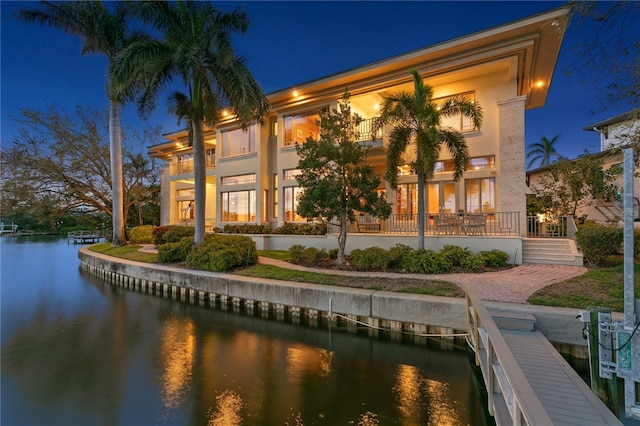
511	183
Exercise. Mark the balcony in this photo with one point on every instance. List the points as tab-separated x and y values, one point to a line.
363	133
186	166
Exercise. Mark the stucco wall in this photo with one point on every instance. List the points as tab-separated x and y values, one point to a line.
510	245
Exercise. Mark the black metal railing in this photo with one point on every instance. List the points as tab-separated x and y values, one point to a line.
464	224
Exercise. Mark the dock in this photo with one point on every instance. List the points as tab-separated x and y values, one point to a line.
528	382
83	237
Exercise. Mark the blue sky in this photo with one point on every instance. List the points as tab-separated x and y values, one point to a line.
289	43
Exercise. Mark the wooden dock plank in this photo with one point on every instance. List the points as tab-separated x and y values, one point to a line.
564	395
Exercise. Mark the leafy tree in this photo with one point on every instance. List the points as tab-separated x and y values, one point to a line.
335	178
417	124
542	151
106	32
570	184
59	163
608	59
194	45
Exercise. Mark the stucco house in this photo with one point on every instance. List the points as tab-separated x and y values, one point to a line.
251	174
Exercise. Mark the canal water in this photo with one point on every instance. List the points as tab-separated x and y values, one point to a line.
78	351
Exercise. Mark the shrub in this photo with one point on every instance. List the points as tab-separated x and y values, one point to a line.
158	235
175	252
333	254
423	261
296	252
308	255
398	254
599	242
142	234
370	259
495	258
177	233
290	228
220	253
314	256
455	254
247	228
474	262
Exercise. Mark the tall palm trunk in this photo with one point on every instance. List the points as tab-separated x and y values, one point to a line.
200	178
115	150
421	212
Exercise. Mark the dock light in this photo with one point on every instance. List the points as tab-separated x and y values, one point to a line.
295	93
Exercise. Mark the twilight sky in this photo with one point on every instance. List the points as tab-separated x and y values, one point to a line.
289	43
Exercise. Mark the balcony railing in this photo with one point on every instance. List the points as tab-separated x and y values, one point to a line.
364	130
470	224
186	166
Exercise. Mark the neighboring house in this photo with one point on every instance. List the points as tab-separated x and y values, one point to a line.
615	134
507	69
617	131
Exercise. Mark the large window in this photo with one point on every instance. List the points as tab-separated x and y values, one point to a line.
238	142
441	197
291	194
458	121
239	206
297	128
407	199
480	195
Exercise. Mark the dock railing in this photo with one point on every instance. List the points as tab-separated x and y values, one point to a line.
512	401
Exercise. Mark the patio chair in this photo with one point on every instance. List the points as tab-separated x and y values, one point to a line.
474	224
444	224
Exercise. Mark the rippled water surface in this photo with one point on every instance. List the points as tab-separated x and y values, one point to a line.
78	351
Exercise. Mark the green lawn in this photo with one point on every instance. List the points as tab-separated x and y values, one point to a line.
602	287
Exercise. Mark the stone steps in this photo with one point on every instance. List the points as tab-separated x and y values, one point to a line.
553	251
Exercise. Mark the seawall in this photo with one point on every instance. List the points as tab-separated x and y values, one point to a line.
395	312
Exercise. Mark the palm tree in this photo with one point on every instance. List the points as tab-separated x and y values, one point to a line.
194	46
542	151
415	117
107	33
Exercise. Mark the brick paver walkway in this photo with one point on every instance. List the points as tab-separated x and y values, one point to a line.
513	285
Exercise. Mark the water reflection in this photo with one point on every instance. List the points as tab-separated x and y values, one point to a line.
178	344
305	361
228	411
77	350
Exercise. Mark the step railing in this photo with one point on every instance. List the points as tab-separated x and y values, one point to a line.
546	226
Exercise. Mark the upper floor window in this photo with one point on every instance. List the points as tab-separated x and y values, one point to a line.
238	142
290	174
405	170
475	163
458	121
297	128
189	192
239	179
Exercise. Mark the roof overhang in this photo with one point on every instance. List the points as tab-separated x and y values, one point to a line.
531	45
